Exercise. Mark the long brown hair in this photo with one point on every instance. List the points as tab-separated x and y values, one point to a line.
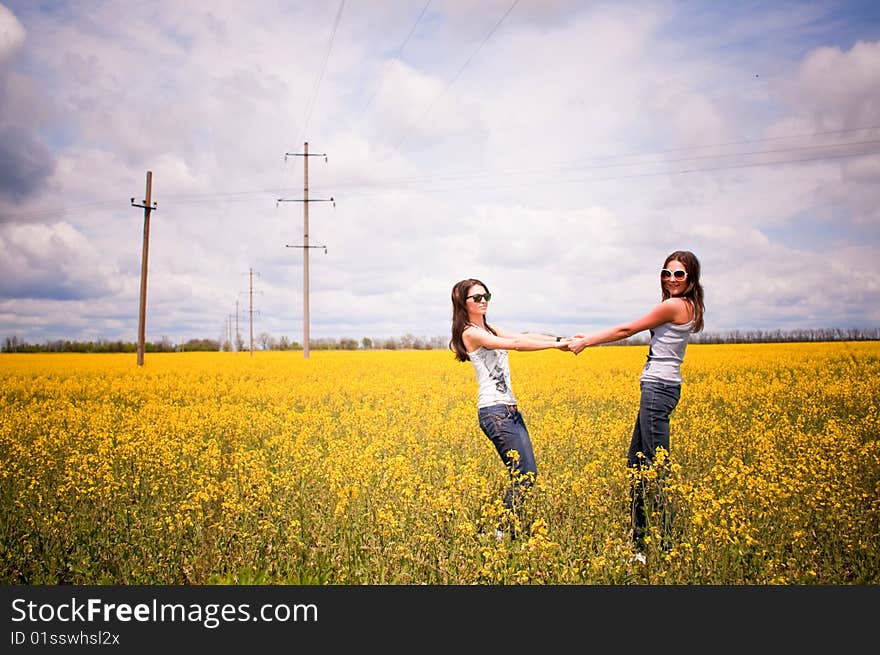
460	318
694	290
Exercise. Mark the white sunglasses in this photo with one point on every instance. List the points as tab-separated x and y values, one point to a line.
666	274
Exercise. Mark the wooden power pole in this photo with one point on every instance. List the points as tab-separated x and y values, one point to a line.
148	206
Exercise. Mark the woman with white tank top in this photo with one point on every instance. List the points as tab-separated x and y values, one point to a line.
485	346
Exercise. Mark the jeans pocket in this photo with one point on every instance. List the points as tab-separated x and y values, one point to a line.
661	397
496	426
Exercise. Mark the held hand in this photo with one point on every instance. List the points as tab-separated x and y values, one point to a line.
563	344
576	344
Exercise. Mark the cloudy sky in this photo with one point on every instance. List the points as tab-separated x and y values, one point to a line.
556	149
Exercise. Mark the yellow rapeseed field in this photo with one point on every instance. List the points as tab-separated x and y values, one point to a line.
369	468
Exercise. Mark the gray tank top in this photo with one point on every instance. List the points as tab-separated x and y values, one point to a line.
493	377
666	352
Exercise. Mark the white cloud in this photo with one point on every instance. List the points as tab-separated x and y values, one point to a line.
12	34
838	89
52	262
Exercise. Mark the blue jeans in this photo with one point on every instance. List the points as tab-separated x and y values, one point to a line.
507	431
651	431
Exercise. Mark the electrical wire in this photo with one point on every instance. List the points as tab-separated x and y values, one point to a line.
320	78
424	114
396	56
414	181
311	104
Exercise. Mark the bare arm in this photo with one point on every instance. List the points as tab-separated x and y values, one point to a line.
670	310
475	337
528	335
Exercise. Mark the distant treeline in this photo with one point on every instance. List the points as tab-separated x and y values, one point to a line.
264	342
776	336
406	342
410	342
16	345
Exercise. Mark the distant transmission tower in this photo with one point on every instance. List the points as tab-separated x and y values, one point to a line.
251	309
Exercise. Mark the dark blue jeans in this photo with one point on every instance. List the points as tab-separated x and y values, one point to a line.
651	431
507	431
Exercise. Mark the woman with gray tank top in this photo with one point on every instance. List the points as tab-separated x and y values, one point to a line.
486	346
679	313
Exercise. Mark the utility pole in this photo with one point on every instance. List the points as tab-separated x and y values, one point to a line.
305	201
251	295
237	333
147	206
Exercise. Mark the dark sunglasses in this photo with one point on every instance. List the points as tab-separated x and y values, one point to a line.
478	297
680	274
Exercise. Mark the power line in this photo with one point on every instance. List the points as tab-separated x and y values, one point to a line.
63	211
747	141
569	167
184	199
424	114
318	80
320	77
582	180
413	183
396	56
